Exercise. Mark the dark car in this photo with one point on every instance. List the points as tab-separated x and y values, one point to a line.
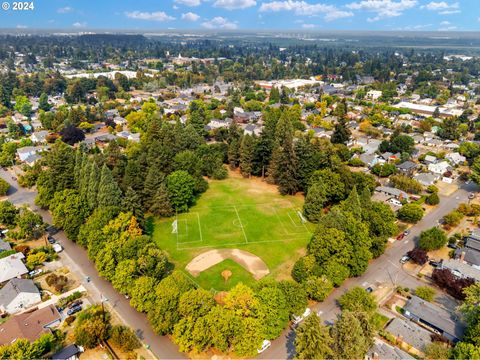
74	310
369	289
52	230
51	240
75	304
434	263
452	246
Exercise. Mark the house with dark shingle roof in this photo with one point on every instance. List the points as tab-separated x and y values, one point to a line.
409	332
435	317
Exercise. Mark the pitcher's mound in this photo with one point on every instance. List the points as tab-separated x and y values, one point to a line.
248	261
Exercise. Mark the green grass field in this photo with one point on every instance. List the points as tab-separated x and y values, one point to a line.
212	277
238	213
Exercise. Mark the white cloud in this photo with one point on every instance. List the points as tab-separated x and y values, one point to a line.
65	10
442	7
383	8
447	28
219	22
414	27
189	2
445	23
308	26
190	16
22	27
330	12
150	16
234	4
79	24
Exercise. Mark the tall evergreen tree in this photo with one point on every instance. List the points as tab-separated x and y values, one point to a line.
313	340
247	148
283	166
93	184
109	194
160	204
315	201
151	185
132	202
341	134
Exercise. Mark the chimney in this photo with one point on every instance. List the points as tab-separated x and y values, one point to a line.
462	256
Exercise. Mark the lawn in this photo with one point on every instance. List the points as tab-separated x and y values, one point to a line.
212	278
238	213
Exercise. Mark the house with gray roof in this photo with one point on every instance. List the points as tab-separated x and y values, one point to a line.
4	246
426	179
380	350
459	266
434	317
407	167
410	333
392	192
18	295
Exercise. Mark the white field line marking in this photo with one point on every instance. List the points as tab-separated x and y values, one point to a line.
238	243
199	227
241	225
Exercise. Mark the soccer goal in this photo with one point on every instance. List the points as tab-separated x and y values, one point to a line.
302	218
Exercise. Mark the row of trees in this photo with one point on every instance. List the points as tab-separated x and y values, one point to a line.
345	239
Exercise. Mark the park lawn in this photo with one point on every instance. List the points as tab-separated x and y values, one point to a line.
247	214
212	277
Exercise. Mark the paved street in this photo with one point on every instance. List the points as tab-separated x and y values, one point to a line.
77	260
385	269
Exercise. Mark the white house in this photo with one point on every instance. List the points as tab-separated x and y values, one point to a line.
439	168
18	295
11	267
39	136
27	151
455	158
373	95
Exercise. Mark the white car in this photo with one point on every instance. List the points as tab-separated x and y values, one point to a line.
404	259
298	319
265	345
57	247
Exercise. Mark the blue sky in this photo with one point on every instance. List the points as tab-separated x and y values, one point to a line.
404	15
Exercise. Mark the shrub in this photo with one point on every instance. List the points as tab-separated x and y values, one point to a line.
70	319
358	299
418	256
452	285
58	282
24	249
432	199
125	338
453	218
318	287
36	259
355	162
4	186
425	292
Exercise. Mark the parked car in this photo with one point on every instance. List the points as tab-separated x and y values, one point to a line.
434	263
57	247
369	289
404	259
51	240
75	304
74	310
452	246
400	236
35	272
298	319
52	230
265	345
406	232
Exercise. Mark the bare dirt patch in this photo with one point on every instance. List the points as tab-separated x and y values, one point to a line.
248	261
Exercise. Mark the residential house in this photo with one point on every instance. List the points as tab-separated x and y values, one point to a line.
24	152
30	325
380	350
437	318
252	129
407	167
18	295
71	352
39	136
461	269
410	333
426	179
219	124
455	158
370	159
118	120
368	145
373	95
11	267
439	168
392	192
430	159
